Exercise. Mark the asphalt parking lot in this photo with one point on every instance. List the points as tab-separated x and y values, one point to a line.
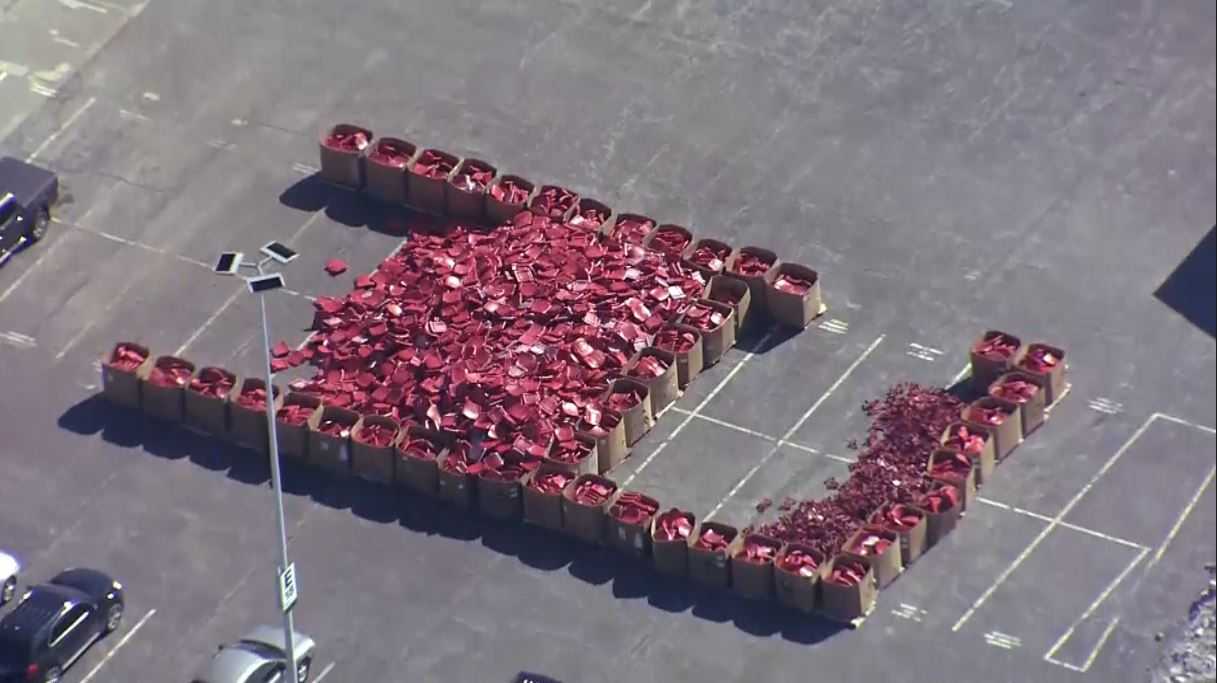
1039	168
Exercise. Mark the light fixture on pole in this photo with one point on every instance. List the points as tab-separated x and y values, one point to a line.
230	263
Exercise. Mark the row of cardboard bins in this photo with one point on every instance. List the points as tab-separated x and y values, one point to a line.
415	458
218	402
442	187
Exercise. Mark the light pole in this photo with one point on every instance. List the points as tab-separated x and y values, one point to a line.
230	263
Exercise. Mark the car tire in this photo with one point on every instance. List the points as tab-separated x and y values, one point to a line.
41	224
303	669
8	590
52	675
114	617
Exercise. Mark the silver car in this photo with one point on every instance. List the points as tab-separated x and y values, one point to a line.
8	577
259	657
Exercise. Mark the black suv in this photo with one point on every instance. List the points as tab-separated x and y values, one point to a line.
27	194
55	622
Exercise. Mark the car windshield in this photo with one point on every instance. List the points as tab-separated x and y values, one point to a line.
261	649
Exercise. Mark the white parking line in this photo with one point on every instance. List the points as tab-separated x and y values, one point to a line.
1187	511
697	410
797	425
59	131
1064	525
1111	587
980	499
324	672
114	650
1001	578
240	290
720	423
208	322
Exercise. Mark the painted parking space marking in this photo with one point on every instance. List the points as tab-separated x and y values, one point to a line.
50	139
1003	640
1105	405
1035	543
324	672
798	425
118	646
922	352
764	342
18	340
834	326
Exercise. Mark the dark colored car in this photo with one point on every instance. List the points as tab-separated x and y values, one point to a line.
55	623
27	194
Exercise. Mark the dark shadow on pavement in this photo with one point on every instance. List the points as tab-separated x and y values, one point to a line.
1191	290
631	577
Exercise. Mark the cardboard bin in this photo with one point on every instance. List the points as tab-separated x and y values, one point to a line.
753	579
716	341
1031	409
959	435
499	494
248	426
609	435
344	167
671	556
586	204
614	228
630	538
123	387
758	283
544	508
711	568
794	310
723	253
912	536
385	169
293	438
664	389
466	201
588	460
941	522
369	461
1053	378
639	419
426	192
585	522
654	240
453	486
886	563
688	363
206	412
499	211
733	291
166	403
843	602
986	369
328	451
796	584
413	470
555	213
1007	434
965	481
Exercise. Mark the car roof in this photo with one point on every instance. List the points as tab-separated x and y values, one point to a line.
25	181
35	610
8	565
